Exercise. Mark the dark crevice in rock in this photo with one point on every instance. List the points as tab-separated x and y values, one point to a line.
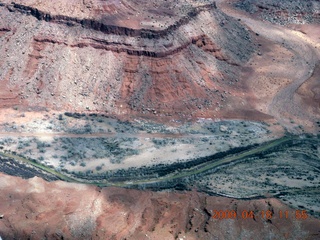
4	30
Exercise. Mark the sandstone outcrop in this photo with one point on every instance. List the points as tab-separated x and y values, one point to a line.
35	209
82	58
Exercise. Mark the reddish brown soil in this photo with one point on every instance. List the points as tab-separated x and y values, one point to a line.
286	57
36	209
8	94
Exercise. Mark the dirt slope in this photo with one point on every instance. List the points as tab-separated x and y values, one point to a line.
164	60
35	209
86	56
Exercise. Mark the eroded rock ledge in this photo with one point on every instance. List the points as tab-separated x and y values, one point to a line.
203	42
190	65
104	27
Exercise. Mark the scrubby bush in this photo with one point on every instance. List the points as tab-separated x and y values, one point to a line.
83	164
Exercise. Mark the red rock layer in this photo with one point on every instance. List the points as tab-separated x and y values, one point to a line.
35	209
76	61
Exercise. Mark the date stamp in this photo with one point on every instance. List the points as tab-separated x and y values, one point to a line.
263	214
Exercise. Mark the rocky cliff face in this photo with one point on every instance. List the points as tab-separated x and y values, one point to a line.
35	209
74	56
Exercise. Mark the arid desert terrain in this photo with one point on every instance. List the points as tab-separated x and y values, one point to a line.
160	119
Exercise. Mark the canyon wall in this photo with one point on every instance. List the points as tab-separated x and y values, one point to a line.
187	66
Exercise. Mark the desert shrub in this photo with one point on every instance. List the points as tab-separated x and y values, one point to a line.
83	164
74	115
98	168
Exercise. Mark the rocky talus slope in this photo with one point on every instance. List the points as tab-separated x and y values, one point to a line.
284	12
181	59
